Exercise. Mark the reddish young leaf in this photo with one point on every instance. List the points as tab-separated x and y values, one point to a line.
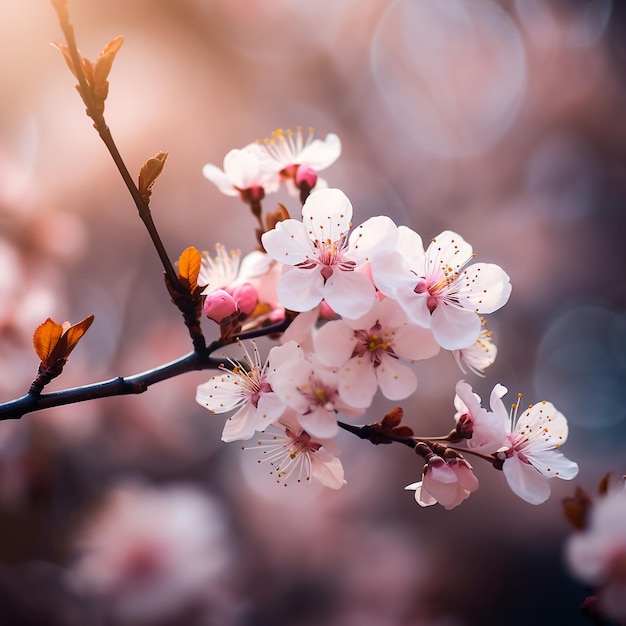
189	267
71	336
45	339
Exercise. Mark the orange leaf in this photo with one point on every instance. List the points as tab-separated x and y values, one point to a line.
46	338
189	267
73	335
150	171
105	60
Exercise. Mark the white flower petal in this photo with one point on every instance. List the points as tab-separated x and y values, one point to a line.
486	286
319	423
327	469
349	294
240	426
447	252
397	381
525	481
552	463
220	394
334	343
288	242
269	408
219	179
453	327
327	215
375	236
300	289
357	382
411	248
321	154
414	342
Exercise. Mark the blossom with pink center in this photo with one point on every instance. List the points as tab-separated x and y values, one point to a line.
447	482
367	353
322	260
311	390
435	291
486	431
243	173
298	160
530	454
150	553
597	555
293	452
247	389
227	270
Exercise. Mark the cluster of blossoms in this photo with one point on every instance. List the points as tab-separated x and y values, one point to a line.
367	301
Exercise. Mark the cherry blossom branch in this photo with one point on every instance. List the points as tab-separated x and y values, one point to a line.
198	360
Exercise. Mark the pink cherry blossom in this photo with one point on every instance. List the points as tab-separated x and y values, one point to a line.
294	452
479	356
435	291
486	431
149	553
531	455
311	390
367	353
298	160
243	173
447	482
247	389
226	270
597	555
321	259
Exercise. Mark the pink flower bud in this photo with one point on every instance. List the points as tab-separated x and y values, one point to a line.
246	297
306	176
219	305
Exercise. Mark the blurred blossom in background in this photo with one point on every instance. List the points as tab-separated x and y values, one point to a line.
501	120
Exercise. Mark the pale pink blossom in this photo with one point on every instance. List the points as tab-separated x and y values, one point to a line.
486	431
597	555
294	453
243	173
435	291
531	456
367	353
227	270
321	259
479	356
150	552
298	160
247	389
311	390
447	482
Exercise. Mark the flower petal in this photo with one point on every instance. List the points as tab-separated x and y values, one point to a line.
241	425
327	215
349	294
397	381
220	394
327	468
321	154
288	242
486	285
525	481
357	382
376	235
453	327
334	343
319	423
300	289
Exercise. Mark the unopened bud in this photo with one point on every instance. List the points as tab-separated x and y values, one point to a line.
219	305
306	176
246	297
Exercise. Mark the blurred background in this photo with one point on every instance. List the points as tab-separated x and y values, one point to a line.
503	121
